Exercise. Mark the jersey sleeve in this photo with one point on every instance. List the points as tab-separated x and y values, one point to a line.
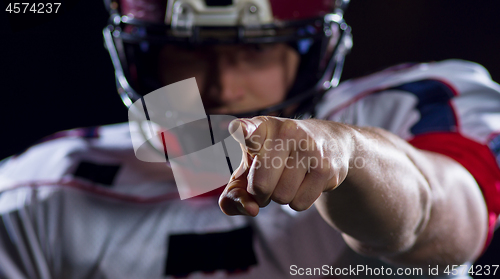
450	107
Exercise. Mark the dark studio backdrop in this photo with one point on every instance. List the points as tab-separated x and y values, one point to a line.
56	75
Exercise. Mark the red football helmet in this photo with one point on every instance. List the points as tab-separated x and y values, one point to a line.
315	29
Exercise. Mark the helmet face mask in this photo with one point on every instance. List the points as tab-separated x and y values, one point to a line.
135	40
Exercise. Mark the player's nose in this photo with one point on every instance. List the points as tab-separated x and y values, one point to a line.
231	79
231	82
226	81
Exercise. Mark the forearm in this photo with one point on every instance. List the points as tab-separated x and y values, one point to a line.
389	199
395	198
386	196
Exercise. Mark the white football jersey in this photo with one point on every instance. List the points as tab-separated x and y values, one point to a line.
450	107
80	205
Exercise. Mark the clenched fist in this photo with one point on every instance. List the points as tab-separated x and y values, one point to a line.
286	161
396	202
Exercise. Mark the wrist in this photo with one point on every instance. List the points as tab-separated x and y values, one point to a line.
340	148
360	147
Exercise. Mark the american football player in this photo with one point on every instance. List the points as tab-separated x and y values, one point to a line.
405	175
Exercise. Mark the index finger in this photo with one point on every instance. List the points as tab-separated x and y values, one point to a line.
254	133
235	200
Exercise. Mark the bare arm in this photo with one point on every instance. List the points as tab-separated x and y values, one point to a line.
395	202
406	205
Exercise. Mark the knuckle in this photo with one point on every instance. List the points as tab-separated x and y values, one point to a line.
305	199
281	197
321	172
288	129
259	189
307	143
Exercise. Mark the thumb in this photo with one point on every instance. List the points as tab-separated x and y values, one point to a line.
235	200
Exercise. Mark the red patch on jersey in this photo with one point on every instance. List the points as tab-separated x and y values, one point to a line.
477	158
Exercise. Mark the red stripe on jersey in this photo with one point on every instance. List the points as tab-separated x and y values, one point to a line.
455	116
476	158
447	84
95	189
105	192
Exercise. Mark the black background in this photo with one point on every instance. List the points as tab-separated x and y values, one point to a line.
56	75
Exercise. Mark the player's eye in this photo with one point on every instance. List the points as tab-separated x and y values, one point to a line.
258	51
262	48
